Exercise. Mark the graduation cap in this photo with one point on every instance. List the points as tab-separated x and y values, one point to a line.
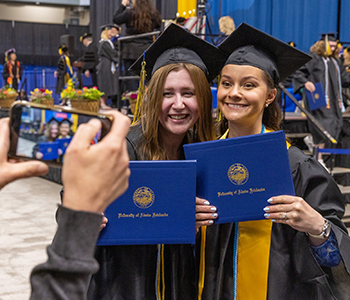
9	52
180	20
109	26
52	121
178	45
250	46
66	121
85	35
331	37
62	49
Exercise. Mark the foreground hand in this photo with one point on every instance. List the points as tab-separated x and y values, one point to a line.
94	176
310	86
12	170
295	212
205	213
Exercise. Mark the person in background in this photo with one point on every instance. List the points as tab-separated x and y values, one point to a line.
226	27
177	111
64	69
115	35
64	129
326	68
90	58
140	17
181	21
302	238
107	76
12	72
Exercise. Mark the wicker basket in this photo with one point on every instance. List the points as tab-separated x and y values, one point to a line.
6	103
48	102
92	106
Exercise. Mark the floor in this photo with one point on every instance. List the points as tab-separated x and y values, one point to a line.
27	225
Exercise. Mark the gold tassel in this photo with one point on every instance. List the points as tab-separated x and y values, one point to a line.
328	50
141	93
218	111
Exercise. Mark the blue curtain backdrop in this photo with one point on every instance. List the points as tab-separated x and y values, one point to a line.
301	21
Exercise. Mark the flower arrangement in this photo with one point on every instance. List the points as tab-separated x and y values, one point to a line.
91	94
70	93
7	92
40	95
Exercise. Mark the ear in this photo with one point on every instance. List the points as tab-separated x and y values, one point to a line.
271	96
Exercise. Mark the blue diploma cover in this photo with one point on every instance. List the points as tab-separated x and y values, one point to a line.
239	175
157	208
63	144
49	150
316	99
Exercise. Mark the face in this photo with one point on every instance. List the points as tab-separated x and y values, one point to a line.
243	94
109	33
333	45
179	110
64	129
54	130
114	31
13	56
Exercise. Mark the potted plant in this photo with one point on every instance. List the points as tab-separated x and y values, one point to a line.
88	99
69	93
7	96
42	96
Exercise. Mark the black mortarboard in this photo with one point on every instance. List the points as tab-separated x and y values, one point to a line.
109	26
9	52
52	121
85	35
177	45
250	46
180	20
63	48
66	121
331	37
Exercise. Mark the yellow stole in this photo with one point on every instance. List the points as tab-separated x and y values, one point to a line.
254	241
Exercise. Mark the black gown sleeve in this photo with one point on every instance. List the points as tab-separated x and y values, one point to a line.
109	52
5	73
121	16
66	273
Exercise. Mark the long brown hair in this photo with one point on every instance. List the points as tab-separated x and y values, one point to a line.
151	147
145	16
272	115
319	49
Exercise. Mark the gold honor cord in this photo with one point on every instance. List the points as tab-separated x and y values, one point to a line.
141	93
202	262
161	275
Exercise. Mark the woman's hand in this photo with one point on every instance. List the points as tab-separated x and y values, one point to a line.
310	86
125	2
295	212
205	213
104	222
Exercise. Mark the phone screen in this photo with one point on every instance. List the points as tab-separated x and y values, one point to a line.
45	134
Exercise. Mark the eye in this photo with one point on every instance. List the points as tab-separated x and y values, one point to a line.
167	94
225	83
249	85
188	94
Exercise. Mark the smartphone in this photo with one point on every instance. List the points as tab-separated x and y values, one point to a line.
39	132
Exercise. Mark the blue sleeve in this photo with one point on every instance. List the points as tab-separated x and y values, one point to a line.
327	254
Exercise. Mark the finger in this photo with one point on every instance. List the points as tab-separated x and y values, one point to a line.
204	223
27	169
4	138
281	216
278	208
85	134
205	208
203	216
119	129
287	199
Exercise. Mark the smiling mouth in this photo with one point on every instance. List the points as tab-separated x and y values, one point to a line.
235	105
177	117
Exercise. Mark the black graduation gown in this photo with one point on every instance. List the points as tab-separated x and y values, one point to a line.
61	75
107	81
6	74
130	272
314	71
90	61
294	274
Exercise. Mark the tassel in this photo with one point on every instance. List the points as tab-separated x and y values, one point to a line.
141	91
218	111
327	47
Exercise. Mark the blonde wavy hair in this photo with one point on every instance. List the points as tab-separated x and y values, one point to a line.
319	49
226	25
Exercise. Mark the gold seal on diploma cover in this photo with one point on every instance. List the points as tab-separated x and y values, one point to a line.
143	197
238	174
317	96
49	150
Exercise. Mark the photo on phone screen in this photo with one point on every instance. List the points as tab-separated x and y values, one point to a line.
45	134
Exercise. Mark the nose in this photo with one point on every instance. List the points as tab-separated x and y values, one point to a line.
178	102
234	91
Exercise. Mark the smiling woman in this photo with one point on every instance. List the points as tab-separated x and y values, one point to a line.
176	110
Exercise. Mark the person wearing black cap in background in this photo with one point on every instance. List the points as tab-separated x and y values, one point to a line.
293	253
178	110
327	69
107	76
139	16
90	58
64	69
12	72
